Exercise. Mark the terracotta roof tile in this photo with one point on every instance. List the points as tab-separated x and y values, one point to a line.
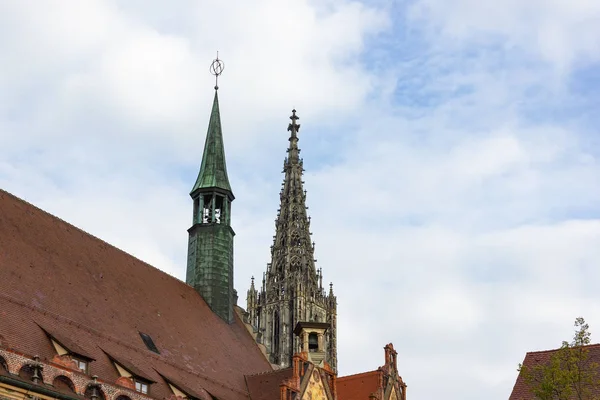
100	297
66	342
359	386
266	386
521	390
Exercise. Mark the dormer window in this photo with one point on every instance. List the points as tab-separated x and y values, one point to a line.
180	391
68	353
131	377
82	365
141	387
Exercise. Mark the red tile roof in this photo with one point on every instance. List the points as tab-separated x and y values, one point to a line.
266	386
521	390
100	298
359	386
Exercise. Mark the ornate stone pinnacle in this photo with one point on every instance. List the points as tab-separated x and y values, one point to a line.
294	127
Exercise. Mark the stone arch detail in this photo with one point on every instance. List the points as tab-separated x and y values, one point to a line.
99	388
63	381
16	366
50	374
121	396
113	393
26	372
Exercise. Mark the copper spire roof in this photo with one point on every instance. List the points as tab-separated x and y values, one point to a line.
213	171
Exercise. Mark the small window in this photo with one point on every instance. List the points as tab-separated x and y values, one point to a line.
81	365
149	342
141	387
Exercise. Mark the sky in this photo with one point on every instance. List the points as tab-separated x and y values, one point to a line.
451	149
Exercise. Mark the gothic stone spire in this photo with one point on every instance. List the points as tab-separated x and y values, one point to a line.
292	252
291	291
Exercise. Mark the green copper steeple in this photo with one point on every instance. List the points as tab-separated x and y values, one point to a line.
210	245
213	171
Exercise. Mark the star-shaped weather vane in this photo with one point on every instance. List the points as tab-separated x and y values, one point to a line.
216	68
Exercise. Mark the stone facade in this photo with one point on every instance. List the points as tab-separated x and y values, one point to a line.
292	287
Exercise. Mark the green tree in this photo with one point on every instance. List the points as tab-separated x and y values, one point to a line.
569	374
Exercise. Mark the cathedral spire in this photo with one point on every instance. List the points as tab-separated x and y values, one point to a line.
292	291
292	231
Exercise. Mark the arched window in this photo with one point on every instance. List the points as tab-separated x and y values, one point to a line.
26	372
313	342
276	335
61	382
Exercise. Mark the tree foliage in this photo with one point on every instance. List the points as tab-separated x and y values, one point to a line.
569	374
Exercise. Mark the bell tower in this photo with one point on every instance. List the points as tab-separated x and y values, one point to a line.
292	287
210	246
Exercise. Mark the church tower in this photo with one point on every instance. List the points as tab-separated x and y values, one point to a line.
210	246
292	287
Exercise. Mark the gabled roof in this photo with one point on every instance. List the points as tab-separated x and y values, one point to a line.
265	386
67	343
359	386
100	298
521	390
131	368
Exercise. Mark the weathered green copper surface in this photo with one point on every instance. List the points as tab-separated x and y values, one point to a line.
213	171
210	247
210	266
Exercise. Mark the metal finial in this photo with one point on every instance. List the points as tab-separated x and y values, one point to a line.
216	69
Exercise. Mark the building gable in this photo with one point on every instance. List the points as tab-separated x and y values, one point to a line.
314	388
393	395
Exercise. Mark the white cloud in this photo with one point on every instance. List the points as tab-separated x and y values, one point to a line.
456	211
561	31
98	58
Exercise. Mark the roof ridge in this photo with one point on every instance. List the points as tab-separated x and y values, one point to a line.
553	350
268	372
2	191
358	374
